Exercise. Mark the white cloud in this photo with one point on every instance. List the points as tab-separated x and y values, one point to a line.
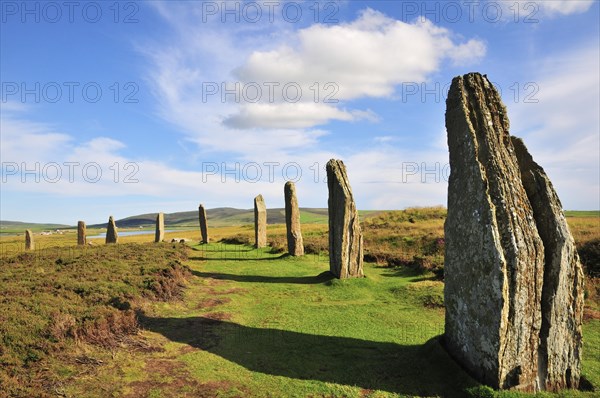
26	141
565	7
284	115
36	159
385	138
378	176
562	129
468	53
392	178
291	115
526	11
96	169
367	57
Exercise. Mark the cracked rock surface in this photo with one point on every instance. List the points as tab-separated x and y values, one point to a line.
513	281
345	235
260	222
292	220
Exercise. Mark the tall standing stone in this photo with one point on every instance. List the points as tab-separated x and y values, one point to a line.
292	221
494	261
345	235
260	222
562	294
159	234
203	223
81	233
29	244
111	231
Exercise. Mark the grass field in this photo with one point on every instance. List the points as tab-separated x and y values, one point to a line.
230	321
582	213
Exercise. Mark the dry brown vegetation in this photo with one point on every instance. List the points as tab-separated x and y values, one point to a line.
53	300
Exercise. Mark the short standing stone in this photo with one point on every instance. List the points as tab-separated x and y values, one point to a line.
81	233
29	244
159	234
345	235
111	231
260	222
292	221
203	223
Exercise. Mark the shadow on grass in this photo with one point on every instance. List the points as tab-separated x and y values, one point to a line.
305	280
223	249
424	370
233	250
407	272
241	257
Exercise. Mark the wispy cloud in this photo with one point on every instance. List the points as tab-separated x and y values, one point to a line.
325	67
564	7
561	129
526	11
37	160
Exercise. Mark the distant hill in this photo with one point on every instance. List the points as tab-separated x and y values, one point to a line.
18	226
582	213
219	217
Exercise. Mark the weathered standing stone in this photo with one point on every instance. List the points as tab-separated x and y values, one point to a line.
260	222
29	244
203	223
494	261
81	233
159	234
111	231
493	271
345	236
562	294
292	221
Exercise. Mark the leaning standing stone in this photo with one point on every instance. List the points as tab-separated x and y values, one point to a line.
292	221
203	223
345	235
81	233
111	231
29	244
159	234
260	222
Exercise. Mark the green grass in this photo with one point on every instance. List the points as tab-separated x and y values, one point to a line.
250	323
582	213
313	217
591	357
257	324
284	327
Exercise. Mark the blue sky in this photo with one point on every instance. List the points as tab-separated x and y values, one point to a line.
121	108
